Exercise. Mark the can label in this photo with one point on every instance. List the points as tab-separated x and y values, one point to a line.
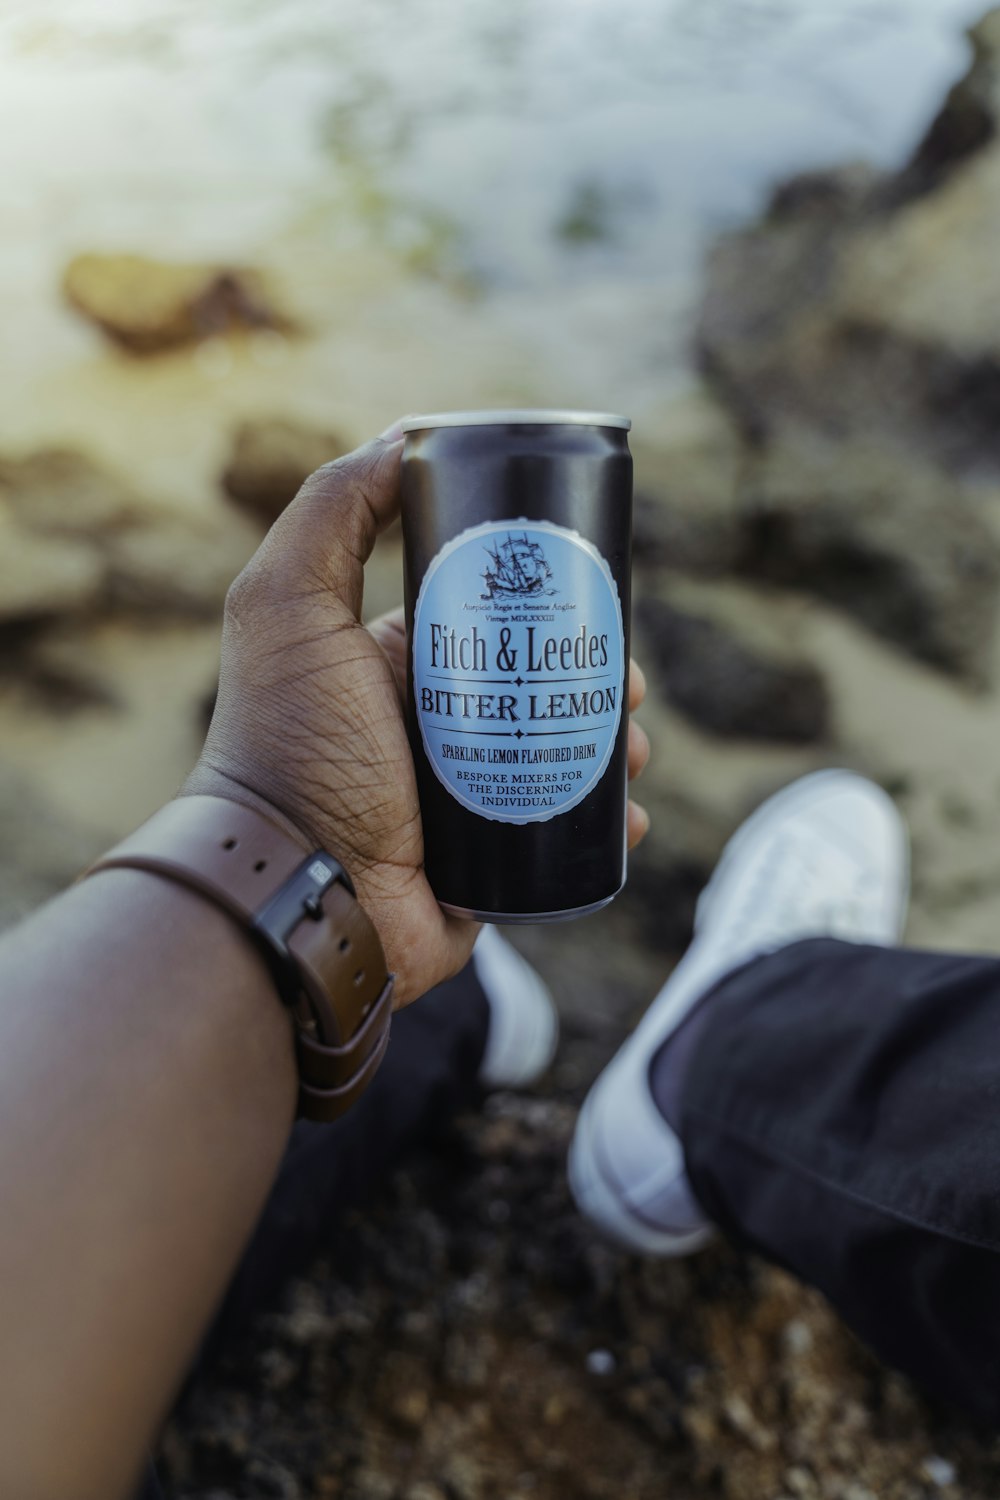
518	668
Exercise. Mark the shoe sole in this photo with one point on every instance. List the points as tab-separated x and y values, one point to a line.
602	1205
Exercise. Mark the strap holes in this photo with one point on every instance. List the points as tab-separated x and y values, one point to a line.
345	943
260	865
230	844
359	977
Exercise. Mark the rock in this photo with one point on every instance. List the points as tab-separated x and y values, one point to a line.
866	307
728	683
764	327
53	505
270	461
56	667
171	568
826	195
75	538
685	515
845	328
896	544
928	272
146	305
369	1485
463	1477
41	851
968	119
676	534
44	578
940	1471
846	335
62	492
410	1408
744	1421
468	1361
854	334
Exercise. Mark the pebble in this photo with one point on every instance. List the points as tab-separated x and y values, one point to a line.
601	1362
555	1411
743	1420
798	1337
939	1470
411	1407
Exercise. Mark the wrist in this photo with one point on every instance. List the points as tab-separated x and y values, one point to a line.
207	780
297	904
222	990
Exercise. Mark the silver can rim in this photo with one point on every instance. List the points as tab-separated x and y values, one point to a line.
531	416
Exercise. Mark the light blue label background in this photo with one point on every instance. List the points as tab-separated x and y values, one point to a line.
518	668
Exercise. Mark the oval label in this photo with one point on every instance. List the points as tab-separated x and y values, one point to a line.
518	668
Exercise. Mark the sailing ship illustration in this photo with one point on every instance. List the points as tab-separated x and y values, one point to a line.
518	570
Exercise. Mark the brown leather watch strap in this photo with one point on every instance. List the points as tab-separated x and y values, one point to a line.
300	907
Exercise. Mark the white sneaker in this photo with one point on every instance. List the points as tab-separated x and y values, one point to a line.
826	857
524	1026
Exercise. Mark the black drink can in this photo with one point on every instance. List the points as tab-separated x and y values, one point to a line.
517	530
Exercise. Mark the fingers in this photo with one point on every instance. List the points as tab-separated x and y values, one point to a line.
636	685
638	749
325	537
365	481
637	824
637	818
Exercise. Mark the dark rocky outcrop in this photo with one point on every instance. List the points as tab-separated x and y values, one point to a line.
967	121
862	306
271	459
42	577
897	544
852	336
728	682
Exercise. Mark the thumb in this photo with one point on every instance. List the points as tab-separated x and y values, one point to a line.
323	539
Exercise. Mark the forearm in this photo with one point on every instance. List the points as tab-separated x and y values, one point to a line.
147	1087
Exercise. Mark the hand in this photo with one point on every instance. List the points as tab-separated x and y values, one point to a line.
308	719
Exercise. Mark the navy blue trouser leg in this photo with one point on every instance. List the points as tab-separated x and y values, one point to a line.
841	1115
